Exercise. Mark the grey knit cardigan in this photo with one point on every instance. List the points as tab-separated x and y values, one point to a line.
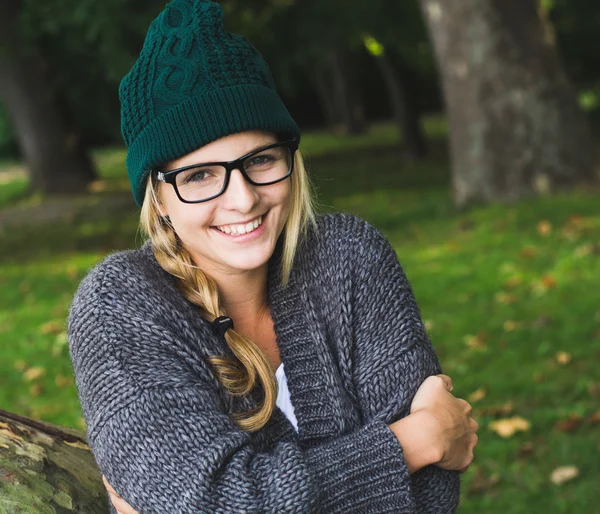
355	352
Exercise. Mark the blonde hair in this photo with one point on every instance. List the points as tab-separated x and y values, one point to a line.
238	376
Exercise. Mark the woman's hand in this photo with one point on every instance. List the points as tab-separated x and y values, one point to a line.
453	430
119	503
439	429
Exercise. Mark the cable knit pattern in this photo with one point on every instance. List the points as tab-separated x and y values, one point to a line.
355	352
193	83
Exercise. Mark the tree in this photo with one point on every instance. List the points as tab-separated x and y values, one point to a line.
55	156
515	125
405	113
45	468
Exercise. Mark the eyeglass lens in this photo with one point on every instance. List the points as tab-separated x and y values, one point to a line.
206	181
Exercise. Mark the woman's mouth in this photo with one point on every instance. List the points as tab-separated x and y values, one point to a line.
240	229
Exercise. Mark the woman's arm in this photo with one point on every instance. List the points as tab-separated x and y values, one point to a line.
392	355
165	454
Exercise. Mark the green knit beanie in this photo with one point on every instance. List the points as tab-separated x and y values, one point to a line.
193	83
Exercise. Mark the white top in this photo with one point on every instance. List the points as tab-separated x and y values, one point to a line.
283	397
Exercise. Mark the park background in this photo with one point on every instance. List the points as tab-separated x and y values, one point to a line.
467	131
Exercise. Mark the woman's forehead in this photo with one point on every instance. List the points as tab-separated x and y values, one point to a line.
226	148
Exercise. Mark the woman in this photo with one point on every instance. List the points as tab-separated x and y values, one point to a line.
180	348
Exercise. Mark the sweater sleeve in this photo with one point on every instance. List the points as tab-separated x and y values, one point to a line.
166	453
393	356
161	434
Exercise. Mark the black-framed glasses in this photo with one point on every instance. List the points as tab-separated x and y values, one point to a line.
202	182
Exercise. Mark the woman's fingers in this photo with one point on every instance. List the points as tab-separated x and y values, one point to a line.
109	487
447	381
120	504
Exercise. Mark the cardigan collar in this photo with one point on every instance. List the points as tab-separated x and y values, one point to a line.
307	358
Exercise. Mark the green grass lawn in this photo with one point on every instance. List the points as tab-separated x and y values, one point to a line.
510	295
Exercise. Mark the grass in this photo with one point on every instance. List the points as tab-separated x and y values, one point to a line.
509	295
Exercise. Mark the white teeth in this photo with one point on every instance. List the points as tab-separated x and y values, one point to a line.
241	229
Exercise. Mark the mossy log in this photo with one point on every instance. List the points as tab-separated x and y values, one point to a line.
47	469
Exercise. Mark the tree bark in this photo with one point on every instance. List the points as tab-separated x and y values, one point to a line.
345	97
55	157
405	113
47	469
322	87
515	125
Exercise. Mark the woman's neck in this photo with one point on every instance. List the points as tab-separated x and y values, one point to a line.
244	295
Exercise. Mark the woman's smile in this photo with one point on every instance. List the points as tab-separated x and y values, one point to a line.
236	231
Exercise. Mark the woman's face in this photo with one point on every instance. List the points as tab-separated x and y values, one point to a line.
226	249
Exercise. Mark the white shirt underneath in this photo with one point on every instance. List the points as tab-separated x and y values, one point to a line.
283	397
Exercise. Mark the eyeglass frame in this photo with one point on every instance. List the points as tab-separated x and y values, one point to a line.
169	177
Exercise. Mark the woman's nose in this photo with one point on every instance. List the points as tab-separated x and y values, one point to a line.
240	195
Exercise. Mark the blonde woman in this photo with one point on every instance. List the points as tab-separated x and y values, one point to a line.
251	356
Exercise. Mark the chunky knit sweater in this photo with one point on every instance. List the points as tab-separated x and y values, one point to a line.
355	352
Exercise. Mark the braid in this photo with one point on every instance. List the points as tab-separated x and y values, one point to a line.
239	376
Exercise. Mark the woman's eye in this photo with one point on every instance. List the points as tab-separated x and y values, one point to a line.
260	160
197	176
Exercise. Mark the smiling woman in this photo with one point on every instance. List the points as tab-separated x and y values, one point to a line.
251	356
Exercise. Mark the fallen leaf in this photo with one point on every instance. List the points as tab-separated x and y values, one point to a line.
475	342
52	327
584	250
511	326
563	358
20	365
477	395
572	423
541	322
505	298
508	427
36	390
34	373
496	410
62	381
594	419
428	324
528	252
481	482
513	282
544	228
549	281
525	450
564	474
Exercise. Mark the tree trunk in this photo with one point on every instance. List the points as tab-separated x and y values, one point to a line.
515	125
321	85
55	157
405	114
47	469
347	105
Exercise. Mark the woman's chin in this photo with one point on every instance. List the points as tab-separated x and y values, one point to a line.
249	262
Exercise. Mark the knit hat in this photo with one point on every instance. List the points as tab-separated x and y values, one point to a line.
193	83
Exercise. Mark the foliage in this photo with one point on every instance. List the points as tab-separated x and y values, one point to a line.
506	293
